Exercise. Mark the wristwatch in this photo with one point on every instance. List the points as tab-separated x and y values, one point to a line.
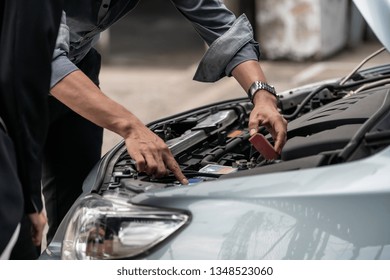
256	86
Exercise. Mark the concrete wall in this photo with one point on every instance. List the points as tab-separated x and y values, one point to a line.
286	29
301	29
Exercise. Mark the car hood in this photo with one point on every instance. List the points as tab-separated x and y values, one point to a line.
311	214
361	177
376	13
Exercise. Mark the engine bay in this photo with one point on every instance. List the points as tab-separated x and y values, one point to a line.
328	124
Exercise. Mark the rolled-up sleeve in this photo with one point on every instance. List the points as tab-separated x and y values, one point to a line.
230	39
232	48
61	65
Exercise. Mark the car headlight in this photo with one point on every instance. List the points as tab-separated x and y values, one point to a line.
112	228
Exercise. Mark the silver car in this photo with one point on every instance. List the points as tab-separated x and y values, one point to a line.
326	197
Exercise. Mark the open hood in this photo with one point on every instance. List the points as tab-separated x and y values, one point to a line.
377	15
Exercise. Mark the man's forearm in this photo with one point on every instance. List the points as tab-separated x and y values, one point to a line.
81	95
150	152
265	111
248	72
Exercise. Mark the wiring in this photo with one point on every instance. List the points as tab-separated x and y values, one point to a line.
364	61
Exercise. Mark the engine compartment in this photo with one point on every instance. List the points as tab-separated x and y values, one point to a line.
212	142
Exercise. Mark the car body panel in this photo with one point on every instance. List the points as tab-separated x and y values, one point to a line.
376	15
324	213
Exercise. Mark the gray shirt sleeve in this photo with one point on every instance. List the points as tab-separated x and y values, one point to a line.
230	39
61	65
232	48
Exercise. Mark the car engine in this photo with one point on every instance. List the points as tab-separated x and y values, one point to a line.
329	123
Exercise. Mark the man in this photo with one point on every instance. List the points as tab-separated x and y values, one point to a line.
75	78
28	30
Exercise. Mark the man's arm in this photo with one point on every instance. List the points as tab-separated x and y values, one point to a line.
38	223
149	151
265	111
233	51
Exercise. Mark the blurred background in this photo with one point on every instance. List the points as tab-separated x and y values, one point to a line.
150	56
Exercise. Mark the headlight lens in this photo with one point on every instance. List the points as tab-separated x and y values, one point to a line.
112	228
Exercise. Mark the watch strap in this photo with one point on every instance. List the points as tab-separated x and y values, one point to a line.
258	85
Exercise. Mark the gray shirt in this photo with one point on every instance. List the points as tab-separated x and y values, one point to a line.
230	38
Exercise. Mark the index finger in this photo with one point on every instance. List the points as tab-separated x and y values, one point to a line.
174	167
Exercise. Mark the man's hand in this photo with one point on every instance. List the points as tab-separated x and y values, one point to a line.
151	154
38	222
265	113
